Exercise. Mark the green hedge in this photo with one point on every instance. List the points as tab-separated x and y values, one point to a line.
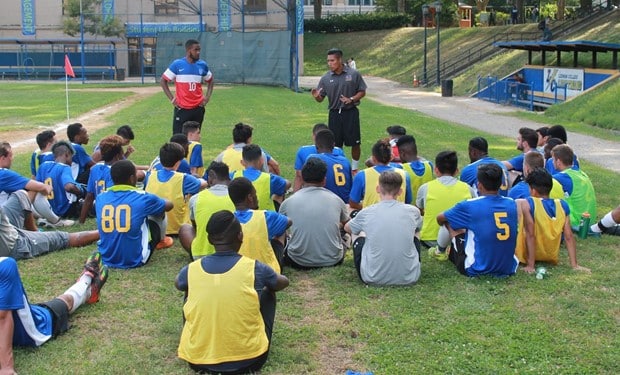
356	22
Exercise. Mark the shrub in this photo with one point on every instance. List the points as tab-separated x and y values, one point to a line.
356	22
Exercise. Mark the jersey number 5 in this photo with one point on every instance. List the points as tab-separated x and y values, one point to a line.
116	218
504	229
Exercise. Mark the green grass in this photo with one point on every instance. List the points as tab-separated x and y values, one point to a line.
34	105
327	321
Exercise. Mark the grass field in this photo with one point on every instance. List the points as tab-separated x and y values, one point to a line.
327	321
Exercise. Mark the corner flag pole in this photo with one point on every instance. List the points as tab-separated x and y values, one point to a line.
68	72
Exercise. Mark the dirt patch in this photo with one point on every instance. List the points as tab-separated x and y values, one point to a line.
24	140
336	351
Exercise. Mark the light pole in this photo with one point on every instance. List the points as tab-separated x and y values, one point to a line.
437	11
424	15
82	55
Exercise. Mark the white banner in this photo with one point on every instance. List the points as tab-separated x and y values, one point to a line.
557	78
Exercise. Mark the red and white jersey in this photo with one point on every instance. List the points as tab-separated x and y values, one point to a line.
188	78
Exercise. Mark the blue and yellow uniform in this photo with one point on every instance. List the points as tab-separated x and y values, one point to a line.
522	190
549	218
39	158
266	185
366	181
338	178
194	158
11	181
99	179
304	151
175	187
57	175
207	203
80	160
420	172
122	213
440	197
491	222
469	174
578	193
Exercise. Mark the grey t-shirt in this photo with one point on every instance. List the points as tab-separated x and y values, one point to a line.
315	234
347	83
389	256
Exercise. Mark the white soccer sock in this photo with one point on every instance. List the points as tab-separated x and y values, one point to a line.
42	206
443	238
607	221
80	291
354	164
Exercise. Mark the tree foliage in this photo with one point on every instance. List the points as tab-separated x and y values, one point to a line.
94	23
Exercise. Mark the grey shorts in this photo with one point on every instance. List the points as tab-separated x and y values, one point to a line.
16	206
32	244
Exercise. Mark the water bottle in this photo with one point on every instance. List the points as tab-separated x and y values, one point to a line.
541	272
584	225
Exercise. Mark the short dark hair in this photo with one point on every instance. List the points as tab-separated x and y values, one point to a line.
396	130
190	127
220	170
170	153
5	147
223	226
382	151
557	131
479	144
44	138
540	180
551	143
335	51
190	43
490	176
121	172
251	152
180	139
324	140
242	132
318	127
564	153
530	136
239	189
73	130
110	147
61	148
407	141
543	130
314	170
447	162
126	132
390	181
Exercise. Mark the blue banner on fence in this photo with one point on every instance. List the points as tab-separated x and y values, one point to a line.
28	20
151	29
107	10
223	15
300	16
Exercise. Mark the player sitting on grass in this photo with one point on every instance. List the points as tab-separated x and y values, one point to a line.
66	191
230	304
202	206
269	187
45	141
420	170
99	179
81	162
26	324
131	222
194	150
488	245
531	161
232	156
364	190
174	186
386	254
304	151
478	155
545	222
437	196
263	230
609	224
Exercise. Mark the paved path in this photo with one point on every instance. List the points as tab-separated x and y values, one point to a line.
479	114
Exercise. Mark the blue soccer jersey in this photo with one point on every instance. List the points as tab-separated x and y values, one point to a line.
11	181
469	174
304	151
80	160
32	323
99	179
39	158
491	223
57	175
122	213
183	166
338	178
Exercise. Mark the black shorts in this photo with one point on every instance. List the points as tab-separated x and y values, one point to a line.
457	253
345	125
60	315
182	115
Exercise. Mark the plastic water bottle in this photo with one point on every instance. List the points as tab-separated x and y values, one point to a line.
584	225
541	272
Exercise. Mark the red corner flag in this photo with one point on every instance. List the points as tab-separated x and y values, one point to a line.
68	67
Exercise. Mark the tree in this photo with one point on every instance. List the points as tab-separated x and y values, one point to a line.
94	23
318	8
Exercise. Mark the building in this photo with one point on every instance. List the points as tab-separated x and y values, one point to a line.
331	7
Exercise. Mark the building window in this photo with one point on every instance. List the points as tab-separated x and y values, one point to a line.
166	6
362	2
311	2
255	6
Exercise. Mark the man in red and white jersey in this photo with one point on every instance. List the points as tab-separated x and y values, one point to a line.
188	74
